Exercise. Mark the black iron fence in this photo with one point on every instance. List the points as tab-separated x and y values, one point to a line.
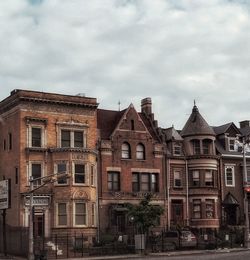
77	245
70	246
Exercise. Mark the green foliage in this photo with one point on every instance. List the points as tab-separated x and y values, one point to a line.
145	215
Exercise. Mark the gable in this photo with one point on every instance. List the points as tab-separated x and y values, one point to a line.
232	130
131	121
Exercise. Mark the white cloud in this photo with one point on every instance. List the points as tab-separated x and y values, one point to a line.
174	51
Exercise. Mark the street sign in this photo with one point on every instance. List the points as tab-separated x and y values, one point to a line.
4	194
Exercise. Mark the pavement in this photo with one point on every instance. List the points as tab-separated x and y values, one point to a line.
128	256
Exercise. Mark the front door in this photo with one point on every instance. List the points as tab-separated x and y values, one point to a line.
38	225
177	212
120	222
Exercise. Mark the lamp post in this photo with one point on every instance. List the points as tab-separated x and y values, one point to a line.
246	188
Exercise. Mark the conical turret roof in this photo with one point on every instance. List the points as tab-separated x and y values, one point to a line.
196	125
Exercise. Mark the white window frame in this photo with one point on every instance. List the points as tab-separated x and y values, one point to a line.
74	213
29	172
56	171
233	176
229	140
57	216
177	176
86	173
72	139
42	127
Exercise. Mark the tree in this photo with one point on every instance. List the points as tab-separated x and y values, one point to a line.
145	215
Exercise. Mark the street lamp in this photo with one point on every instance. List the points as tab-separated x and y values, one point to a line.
46	179
246	189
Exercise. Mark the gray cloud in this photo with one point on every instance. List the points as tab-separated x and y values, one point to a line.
174	51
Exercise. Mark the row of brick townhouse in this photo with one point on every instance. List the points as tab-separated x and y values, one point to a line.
112	158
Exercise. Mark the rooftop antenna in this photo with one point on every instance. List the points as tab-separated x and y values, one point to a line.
194	103
119	105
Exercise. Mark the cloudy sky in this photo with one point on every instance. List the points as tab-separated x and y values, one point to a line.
173	51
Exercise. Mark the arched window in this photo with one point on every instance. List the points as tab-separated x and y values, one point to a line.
140	152
126	154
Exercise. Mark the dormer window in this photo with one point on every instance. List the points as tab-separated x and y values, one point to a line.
176	149
231	144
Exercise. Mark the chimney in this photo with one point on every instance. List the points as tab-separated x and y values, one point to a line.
244	123
146	106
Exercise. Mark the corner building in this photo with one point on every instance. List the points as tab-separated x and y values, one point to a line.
43	134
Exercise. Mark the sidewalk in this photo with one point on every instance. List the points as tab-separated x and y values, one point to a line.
170	253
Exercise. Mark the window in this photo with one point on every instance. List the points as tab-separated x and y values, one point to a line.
206	146
93	214
92	175
177	149
61	168
36	172
36	137
197	208
145	182
229	175
132	124
72	139
209	178
16	175
113	181
79	174
154	182
126	154
10	140
62	214
195	178
65	138
177	179
80	214
140	152
231	143
196	147
135	182
209	208
78	139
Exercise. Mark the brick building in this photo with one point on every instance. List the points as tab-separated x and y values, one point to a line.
192	175
43	134
131	159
